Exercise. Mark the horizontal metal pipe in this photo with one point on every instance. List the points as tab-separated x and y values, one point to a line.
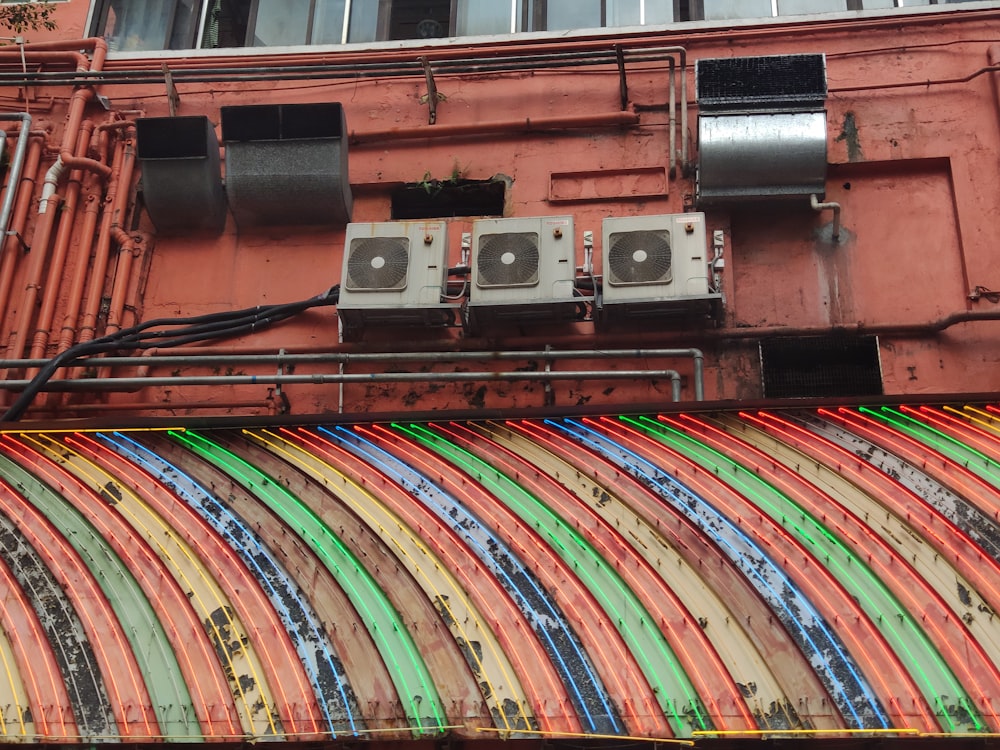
279	358
126	384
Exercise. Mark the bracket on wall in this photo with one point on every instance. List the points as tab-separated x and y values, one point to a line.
433	96
622	81
173	98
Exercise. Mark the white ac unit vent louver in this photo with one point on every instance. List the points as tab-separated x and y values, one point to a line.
395	273
655	266
375	263
639	257
522	269
509	259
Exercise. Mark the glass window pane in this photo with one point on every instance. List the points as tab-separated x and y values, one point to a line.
364	21
873	4
483	17
281	22
150	25
793	7
720	10
658	11
328	23
226	23
632	12
573	14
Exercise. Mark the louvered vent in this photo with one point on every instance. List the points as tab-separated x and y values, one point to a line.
640	257
760	82
508	259
378	263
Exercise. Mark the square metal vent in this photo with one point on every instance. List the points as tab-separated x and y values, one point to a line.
760	82
821	366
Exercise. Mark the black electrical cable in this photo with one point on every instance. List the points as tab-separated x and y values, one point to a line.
208	327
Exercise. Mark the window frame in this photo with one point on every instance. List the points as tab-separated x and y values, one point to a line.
532	19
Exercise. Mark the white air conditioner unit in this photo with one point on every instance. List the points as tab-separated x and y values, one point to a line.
395	273
655	266
523	268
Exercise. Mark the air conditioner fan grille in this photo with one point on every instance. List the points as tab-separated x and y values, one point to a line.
377	263
508	259
639	257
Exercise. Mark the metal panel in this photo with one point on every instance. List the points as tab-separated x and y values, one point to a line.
415	253
763	155
181	176
286	164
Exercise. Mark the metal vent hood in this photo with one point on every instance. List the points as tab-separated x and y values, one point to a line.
287	164
762	132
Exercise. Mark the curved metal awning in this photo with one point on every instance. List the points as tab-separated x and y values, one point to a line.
830	571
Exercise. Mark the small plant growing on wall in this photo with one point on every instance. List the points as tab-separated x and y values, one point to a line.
21	17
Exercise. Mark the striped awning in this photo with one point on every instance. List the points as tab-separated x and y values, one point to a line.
827	571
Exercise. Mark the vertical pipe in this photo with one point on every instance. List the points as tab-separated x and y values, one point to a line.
57	267
16	164
11	247
74	299
48	210
126	245
115	200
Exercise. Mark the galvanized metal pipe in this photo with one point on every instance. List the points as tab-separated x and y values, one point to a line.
278	360
16	164
128	384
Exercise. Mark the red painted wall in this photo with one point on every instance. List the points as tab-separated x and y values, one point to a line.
912	116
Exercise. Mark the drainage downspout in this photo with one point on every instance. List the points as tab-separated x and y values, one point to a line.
48	209
127	249
64	235
115	200
828	206
24	191
87	233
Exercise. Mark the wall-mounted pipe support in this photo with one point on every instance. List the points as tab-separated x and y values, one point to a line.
828	206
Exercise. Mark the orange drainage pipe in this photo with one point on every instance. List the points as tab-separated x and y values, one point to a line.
11	246
74	298
49	212
120	671
67	219
210	693
693	650
715	569
270	638
127	249
885	672
115	199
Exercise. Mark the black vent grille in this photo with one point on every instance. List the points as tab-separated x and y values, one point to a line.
781	80
820	367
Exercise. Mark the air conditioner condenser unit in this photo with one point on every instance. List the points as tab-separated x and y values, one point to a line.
395	273
655	266
522	268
